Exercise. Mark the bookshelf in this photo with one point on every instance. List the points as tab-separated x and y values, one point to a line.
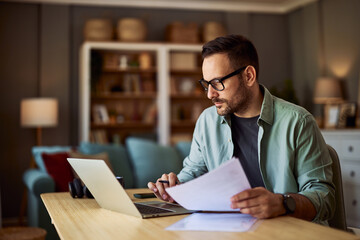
148	89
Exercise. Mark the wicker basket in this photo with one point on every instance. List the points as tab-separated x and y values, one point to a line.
131	30
98	30
212	30
179	33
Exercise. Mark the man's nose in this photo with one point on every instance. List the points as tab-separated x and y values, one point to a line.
211	92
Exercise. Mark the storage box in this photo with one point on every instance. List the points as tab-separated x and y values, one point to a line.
183	61
179	33
98	30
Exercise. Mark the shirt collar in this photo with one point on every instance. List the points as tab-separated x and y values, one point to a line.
266	114
226	119
267	107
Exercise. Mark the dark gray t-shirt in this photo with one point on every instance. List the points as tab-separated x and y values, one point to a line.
245	138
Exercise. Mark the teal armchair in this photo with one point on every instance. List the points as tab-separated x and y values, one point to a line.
38	182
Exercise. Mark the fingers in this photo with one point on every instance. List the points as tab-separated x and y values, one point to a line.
258	202
248	194
173	180
153	188
248	202
162	186
159	188
260	211
256	211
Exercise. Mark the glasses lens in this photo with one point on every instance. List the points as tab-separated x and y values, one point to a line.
204	83
217	84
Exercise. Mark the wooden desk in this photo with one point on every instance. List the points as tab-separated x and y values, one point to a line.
84	219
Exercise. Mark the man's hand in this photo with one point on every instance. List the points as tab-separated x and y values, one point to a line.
159	188
259	203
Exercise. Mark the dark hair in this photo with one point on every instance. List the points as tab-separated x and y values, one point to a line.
240	51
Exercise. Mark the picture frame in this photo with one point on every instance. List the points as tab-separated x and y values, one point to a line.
347	115
100	114
331	115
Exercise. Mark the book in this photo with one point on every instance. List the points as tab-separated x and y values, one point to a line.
150	114
99	136
132	83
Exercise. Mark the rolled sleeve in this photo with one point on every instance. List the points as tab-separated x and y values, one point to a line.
315	171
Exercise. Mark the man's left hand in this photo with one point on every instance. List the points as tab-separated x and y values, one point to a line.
259	203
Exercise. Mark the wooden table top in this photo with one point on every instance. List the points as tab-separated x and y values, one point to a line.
85	219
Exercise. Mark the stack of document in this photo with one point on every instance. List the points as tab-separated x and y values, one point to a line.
216	222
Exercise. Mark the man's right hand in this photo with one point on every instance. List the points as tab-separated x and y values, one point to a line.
159	188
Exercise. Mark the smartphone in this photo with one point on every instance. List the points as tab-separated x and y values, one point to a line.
144	195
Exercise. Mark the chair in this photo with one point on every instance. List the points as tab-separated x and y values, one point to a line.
339	219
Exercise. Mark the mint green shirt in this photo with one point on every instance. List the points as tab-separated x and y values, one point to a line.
292	153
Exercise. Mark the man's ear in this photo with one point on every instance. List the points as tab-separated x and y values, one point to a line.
249	76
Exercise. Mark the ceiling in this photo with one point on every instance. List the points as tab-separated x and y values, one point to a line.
264	6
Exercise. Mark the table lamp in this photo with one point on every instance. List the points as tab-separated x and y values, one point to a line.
328	92
39	113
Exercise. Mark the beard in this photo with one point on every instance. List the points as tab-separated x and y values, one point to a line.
238	104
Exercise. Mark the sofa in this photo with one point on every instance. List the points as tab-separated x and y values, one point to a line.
138	161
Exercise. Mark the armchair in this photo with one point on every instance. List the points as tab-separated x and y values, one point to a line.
38	182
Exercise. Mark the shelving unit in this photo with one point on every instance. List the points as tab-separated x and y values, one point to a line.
187	98
162	99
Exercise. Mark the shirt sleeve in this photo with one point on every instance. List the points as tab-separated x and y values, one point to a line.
194	164
313	168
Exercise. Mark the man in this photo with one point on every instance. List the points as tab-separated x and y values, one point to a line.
278	143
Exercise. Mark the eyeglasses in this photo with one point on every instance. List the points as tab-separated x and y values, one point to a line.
217	83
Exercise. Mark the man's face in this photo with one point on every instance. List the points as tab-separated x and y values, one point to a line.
235	98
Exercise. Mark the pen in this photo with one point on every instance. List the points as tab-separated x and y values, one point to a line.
165	181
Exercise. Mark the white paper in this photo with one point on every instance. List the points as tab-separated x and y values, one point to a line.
219	222
213	190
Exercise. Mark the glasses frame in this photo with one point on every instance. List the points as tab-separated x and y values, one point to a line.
206	84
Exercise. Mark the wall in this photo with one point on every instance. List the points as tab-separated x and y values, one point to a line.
342	43
18	79
54	67
304	42
34	60
324	39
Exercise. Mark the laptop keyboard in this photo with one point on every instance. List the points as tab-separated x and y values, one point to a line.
150	210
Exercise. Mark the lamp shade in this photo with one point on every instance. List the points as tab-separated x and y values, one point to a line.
39	112
328	91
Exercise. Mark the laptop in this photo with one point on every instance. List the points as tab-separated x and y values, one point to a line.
109	193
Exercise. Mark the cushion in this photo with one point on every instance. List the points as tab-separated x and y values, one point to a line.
183	148
102	156
117	156
59	169
38	150
151	160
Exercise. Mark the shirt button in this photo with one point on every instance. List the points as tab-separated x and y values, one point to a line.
229	140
